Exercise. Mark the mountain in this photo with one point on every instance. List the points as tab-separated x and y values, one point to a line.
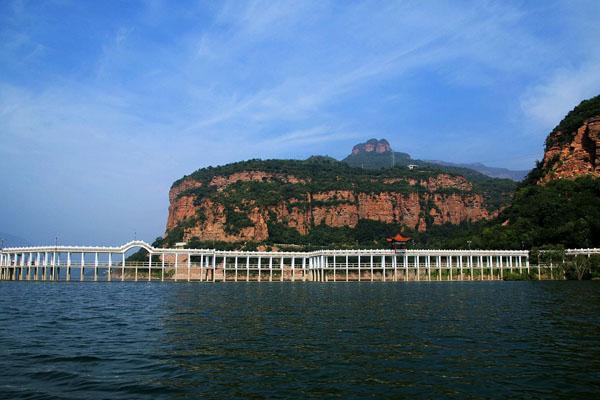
377	154
558	204
324	202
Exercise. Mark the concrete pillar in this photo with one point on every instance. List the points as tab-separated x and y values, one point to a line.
177	265
418	263
235	266
109	278
162	267
96	267
149	266
68	266
303	269
471	265
52	265
29	261
81	270
248	268
224	268
270	269
449	261
281	277
259	269
405	267
428	267
347	268
371	265
189	266
123	267
520	260
480	267
214	267
293	268
36	275
359	268
28	264
383	267
57	266
202	258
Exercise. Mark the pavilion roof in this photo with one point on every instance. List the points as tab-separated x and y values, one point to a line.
398	238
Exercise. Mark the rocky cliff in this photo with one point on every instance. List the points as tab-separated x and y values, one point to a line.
559	202
284	200
372	146
573	147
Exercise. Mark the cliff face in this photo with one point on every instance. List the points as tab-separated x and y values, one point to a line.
234	205
574	157
372	145
573	147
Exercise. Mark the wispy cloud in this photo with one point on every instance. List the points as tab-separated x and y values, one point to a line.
131	99
549	101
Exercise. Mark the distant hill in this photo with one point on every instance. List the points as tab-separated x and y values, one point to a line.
377	154
493	172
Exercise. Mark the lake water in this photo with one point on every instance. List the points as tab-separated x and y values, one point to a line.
299	340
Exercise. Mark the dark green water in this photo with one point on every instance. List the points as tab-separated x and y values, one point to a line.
286	340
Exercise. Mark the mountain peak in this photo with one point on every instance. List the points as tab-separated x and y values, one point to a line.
372	145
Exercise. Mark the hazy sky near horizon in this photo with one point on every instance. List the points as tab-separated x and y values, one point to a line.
103	104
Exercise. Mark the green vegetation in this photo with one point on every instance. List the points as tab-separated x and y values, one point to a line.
377	160
293	182
564	212
574	119
567	128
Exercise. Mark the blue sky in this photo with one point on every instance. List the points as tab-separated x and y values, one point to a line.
104	104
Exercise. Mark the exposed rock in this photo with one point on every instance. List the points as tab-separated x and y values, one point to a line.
334	208
181	207
213	225
569	159
372	145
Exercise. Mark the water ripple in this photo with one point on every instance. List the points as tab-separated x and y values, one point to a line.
283	340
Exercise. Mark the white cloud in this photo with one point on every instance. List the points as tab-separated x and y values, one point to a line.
548	102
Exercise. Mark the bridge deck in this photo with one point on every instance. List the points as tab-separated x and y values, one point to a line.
86	263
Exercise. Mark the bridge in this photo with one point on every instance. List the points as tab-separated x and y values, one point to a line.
88	263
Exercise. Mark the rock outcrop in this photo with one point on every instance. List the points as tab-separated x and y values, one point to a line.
576	156
372	146
573	147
